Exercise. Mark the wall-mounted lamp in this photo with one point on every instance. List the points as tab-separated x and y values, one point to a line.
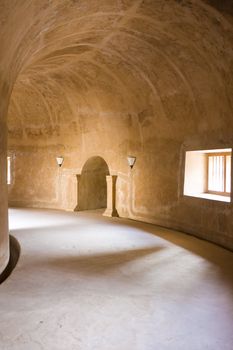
131	161
60	161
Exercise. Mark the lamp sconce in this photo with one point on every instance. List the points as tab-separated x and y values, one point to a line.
131	161
60	161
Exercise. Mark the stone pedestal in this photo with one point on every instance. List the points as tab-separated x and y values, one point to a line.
111	196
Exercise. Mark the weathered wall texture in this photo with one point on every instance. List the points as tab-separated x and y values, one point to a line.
110	78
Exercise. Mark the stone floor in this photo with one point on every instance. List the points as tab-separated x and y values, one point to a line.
86	282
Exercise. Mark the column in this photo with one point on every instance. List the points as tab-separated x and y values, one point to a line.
111	196
78	177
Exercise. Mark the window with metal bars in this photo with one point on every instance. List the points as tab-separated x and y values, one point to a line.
219	173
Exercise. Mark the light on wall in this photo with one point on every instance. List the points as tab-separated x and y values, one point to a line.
131	161
60	161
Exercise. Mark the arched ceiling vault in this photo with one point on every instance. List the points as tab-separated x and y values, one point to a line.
133	64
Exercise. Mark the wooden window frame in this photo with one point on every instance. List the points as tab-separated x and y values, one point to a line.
217	154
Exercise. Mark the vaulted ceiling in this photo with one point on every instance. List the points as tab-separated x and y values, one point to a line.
90	66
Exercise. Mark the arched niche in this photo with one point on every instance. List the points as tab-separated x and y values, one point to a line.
92	191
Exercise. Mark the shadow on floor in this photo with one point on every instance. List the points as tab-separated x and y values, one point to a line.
220	258
96	263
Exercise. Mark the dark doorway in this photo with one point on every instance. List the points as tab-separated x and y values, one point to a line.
92	185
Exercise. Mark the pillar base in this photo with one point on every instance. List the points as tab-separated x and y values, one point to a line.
111	213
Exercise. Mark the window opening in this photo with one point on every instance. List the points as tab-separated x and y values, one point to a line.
208	174
8	170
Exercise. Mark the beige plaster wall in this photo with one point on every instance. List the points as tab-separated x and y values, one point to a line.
112	78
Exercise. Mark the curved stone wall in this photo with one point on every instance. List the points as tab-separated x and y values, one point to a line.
110	78
13	259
